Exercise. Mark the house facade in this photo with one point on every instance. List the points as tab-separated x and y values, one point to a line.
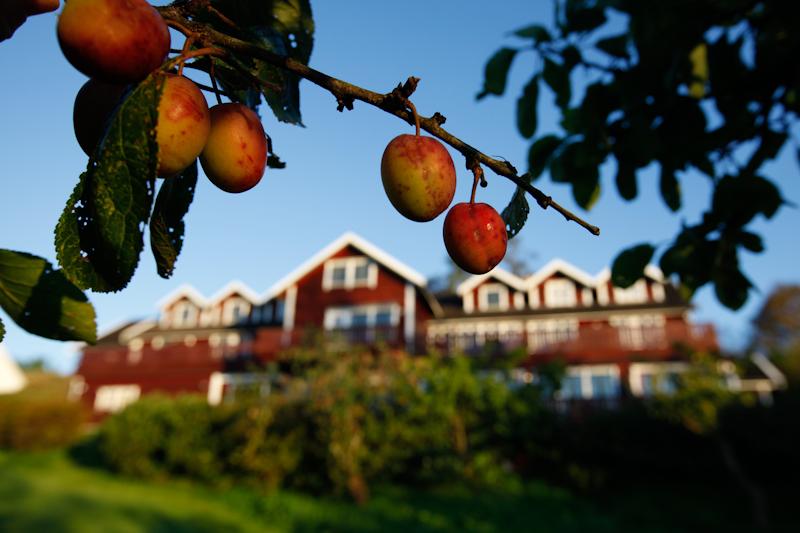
613	341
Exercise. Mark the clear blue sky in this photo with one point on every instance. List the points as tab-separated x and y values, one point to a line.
332	181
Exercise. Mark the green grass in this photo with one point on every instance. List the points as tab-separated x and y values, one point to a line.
47	492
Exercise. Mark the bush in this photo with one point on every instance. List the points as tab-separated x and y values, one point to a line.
39	423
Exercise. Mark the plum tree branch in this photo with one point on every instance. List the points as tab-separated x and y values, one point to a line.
346	93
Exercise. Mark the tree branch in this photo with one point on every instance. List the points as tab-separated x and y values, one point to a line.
346	93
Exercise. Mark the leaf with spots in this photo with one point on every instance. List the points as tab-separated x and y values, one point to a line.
42	301
167	226
99	236
516	213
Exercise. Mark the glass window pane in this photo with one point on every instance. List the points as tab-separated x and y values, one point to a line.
362	272
571	387
605	386
359	320
338	275
383	318
493	299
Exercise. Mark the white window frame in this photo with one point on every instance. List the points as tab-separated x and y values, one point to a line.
334	314
637	371
638	331
635	294
177	314
519	300
114	398
560	287
483	297
350	264
659	294
230	306
585	374
543	333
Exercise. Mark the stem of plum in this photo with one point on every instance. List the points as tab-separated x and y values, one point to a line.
414	112
474	188
477	172
186	45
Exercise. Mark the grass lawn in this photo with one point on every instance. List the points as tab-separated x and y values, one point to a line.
47	492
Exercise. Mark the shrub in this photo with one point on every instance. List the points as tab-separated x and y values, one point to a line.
39	423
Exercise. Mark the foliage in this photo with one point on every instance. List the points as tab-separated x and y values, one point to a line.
714	97
777	323
40	417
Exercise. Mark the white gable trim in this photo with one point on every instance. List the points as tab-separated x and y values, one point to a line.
515	282
348	239
184	291
234	287
559	265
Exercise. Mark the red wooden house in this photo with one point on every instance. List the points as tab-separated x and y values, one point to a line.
613	341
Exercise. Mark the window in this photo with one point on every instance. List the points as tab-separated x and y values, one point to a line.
366	323
184	315
635	294
559	293
543	333
591	382
639	331
235	311
113	398
493	297
349	273
647	379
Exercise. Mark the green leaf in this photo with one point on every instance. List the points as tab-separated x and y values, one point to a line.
99	235
42	301
2	330
166	224
670	188
751	241
586	189
496	72
730	284
536	32
629	265
557	77
539	154
284	27
516	213
616	46
626	181
526	108
582	16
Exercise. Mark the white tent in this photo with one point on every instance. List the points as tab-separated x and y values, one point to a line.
12	379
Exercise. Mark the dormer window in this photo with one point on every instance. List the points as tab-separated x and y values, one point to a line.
349	273
184	315
493	297
235	311
560	293
635	294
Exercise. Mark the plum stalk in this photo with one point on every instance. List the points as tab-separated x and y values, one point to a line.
394	102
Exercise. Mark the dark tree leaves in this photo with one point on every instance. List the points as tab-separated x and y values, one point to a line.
616	46
496	72
557	77
670	188
2	330
42	301
535	32
540	153
527	119
626	181
166	224
99	236
516	212
629	265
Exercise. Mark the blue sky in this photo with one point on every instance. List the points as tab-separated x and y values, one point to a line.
332	181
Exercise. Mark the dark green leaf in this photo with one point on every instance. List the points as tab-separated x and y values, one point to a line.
616	46
737	200
539	154
166	224
670	188
629	265
496	72
526	108
536	32
751	241
557	77
586	188
516	213
99	235
582	16
731	286
273	161
2	330
571	56
284	27
626	180
42	301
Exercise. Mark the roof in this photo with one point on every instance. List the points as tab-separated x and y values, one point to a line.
498	273
348	239
559	265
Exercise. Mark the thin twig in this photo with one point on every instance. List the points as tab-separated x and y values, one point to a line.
344	92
